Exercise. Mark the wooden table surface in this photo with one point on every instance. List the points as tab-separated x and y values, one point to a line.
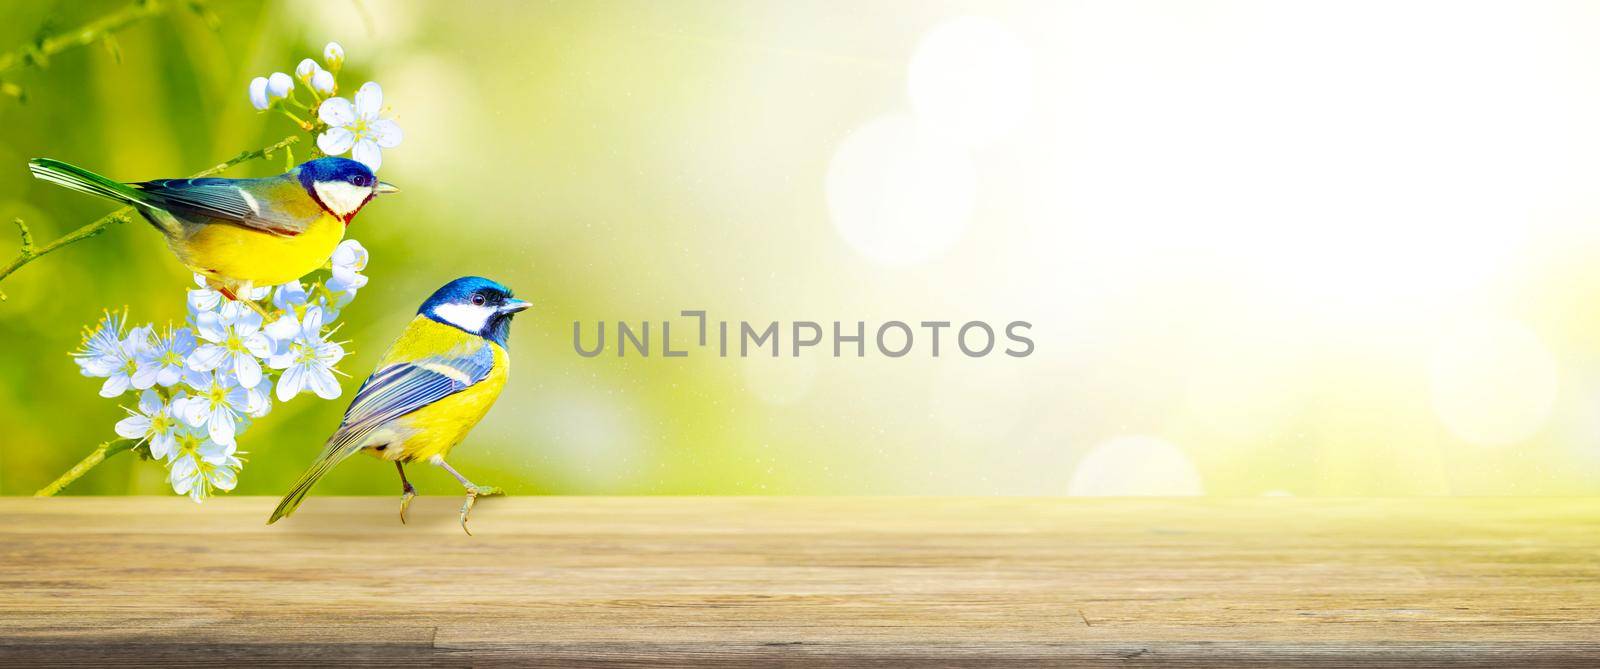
691	581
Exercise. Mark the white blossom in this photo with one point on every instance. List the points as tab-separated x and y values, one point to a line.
231	339
309	361
358	127
200	465
163	362
258	94
279	86
135	345
306	69
100	352
289	295
152	423
322	82
333	55
219	404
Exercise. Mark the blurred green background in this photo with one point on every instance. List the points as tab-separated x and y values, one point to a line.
1266	248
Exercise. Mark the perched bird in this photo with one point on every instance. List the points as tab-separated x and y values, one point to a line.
242	232
431	387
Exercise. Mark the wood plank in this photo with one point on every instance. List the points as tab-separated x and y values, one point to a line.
807	581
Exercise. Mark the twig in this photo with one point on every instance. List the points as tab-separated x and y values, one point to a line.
39	52
95	457
29	253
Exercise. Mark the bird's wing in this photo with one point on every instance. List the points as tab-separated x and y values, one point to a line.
403	387
251	203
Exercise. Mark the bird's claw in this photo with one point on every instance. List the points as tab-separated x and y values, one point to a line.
405	502
473	493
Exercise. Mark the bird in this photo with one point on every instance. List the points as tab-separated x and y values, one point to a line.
432	387
241	233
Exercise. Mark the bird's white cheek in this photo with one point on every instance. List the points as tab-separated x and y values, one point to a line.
341	198
469	317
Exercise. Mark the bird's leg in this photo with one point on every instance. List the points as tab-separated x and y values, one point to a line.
257	307
473	492
228	292
408	491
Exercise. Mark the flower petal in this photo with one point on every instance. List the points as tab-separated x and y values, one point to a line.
184	473
258	94
350	254
183	341
161	445
247	368
133	427
207	357
367	153
115	385
336	112
221	427
223	478
210	327
386	133
336	140
330	353
283	329
322	383
169	375
291	383
149	402
247	322
369	100
193	410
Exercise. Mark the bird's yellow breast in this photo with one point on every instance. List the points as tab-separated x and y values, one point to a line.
435	429
232	253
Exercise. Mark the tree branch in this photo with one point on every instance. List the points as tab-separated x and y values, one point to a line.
29	253
95	457
39	52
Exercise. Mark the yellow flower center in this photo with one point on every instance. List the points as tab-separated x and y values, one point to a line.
188	444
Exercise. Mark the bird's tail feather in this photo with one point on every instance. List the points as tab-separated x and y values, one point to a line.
82	180
332	455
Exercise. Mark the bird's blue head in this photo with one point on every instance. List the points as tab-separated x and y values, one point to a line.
341	185
476	305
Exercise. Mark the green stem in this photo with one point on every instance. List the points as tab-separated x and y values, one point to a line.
95	457
28	253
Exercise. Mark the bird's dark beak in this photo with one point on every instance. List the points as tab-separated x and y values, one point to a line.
513	305
385	187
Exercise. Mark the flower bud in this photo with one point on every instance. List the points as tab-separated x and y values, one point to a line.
258	93
333	55
279	85
305	69
322	82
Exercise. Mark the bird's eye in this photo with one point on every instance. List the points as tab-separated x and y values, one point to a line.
477	299
361	180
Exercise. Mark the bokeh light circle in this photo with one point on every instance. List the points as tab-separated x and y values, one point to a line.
899	194
1493	383
1134	466
972	79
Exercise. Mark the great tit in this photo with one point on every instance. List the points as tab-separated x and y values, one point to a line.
431	387
239	232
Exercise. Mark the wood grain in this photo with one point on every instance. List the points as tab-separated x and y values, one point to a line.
689	581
